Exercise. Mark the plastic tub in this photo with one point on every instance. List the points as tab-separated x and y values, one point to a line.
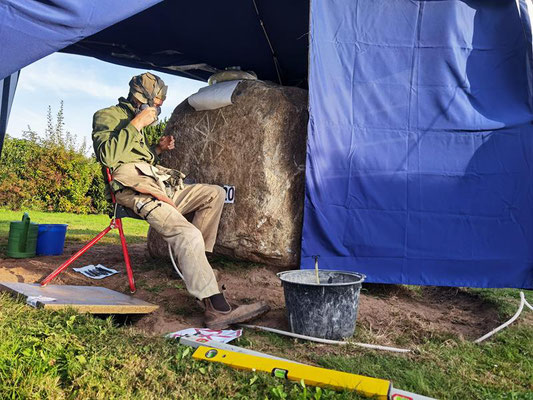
327	310
51	239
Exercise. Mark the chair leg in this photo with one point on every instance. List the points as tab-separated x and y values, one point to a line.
118	222
64	266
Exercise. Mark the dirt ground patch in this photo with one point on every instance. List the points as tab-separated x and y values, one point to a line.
391	314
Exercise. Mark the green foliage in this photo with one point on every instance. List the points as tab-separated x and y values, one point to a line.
154	132
97	191
50	173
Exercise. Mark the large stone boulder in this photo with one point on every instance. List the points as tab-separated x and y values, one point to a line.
258	145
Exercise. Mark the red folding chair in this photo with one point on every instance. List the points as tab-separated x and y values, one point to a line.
119	212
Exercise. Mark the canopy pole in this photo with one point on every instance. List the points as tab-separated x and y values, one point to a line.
8	93
274	56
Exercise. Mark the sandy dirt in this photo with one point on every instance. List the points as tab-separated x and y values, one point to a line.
389	312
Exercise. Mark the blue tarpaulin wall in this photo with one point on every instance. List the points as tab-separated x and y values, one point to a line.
8	86
420	148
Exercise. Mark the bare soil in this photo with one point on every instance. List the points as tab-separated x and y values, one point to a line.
390	313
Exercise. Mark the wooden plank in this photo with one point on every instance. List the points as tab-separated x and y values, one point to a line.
90	299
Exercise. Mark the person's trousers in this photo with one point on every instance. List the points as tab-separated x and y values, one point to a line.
189	241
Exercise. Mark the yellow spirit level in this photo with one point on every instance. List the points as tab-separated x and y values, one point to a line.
314	376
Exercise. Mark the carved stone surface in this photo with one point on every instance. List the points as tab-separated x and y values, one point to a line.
258	145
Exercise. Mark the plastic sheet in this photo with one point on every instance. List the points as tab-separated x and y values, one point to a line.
420	149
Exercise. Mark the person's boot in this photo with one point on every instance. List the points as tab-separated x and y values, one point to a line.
219	314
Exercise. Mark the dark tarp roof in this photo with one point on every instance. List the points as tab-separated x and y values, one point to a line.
192	39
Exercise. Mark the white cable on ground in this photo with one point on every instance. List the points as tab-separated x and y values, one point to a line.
325	341
523	302
174	262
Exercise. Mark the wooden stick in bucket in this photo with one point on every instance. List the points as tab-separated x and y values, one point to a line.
316	270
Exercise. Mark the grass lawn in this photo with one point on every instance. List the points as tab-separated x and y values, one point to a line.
66	355
48	355
81	228
57	355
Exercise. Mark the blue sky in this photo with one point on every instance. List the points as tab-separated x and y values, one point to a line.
85	85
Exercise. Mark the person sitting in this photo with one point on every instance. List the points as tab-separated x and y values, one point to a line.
158	195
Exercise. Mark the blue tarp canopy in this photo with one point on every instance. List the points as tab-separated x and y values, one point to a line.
420	147
190	39
420	150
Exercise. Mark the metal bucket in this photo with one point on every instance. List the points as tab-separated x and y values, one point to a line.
327	310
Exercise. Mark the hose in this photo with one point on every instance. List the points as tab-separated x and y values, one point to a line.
523	302
325	341
174	262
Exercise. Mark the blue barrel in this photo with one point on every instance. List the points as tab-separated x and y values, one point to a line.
51	239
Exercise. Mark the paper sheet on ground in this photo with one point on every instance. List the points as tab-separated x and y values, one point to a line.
96	271
32	300
223	336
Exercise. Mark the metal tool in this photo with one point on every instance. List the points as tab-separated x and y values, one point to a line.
246	359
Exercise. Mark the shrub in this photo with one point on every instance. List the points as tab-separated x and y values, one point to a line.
50	178
50	173
154	132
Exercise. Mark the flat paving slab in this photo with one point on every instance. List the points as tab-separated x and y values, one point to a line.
90	299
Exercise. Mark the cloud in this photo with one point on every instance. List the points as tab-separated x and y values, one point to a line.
19	121
66	75
66	81
86	85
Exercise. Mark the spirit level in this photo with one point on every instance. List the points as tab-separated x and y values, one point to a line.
246	359
197	341
314	376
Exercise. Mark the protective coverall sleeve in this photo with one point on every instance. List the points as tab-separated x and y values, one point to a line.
113	138
157	158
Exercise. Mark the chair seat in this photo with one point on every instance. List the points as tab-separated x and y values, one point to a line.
125	212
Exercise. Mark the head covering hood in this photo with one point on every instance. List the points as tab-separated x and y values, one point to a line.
147	87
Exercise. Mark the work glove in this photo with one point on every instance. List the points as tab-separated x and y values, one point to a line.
176	178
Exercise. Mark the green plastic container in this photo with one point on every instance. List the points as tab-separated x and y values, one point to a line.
22	240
